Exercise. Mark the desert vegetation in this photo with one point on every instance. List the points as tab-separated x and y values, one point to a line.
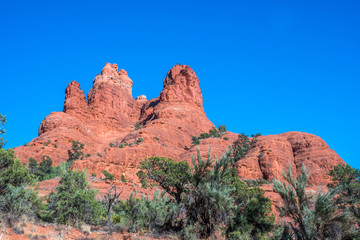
204	200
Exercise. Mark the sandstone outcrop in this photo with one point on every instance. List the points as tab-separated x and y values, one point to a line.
118	131
272	153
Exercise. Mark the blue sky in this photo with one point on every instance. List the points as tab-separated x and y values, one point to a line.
264	66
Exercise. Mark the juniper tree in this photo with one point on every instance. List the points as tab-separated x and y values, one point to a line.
222	128
75	153
241	146
172	176
74	201
12	172
2	130
108	176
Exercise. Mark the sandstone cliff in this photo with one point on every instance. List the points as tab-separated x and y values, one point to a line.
162	126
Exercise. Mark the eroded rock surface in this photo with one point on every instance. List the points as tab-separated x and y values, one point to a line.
118	131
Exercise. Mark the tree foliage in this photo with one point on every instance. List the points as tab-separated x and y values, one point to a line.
108	176
42	171
241	146
74	201
12	172
312	217
172	176
222	129
345	187
2	130
75	153
210	196
17	201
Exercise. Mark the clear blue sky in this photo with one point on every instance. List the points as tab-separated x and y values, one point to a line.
264	66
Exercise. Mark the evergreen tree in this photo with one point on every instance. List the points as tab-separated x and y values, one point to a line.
210	196
242	146
75	153
74	201
222	129
42	171
33	166
108	176
12	172
172	176
2	130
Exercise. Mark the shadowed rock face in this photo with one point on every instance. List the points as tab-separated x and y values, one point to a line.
167	124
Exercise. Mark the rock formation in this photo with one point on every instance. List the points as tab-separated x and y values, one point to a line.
118	130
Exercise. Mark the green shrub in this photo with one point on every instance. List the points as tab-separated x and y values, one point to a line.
2	130
242	146
88	155
137	126
127	212
75	153
204	135
172	176
12	172
32	166
222	129
123	179
19	201
99	155
312	217
195	140
108	176
214	133
211	196
144	183
226	138
47	143
44	170
345	187
140	140
74	201
157	214
237	235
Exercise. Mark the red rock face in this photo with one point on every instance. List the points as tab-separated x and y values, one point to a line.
181	85
75	100
106	125
273	153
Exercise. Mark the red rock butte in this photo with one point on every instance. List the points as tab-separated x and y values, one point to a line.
111	114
